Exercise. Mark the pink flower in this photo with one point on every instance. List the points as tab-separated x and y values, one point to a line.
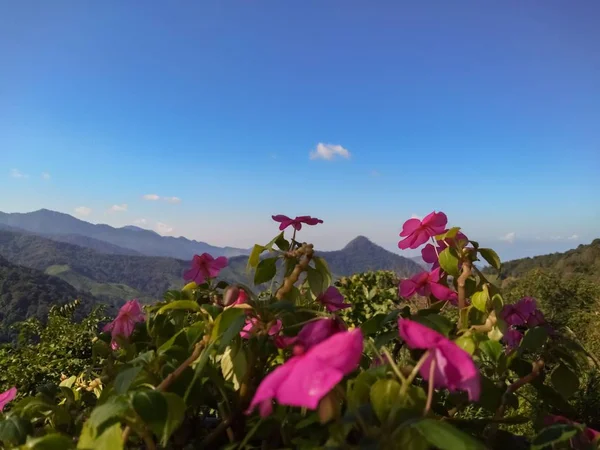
513	338
333	299
589	435
296	223
454	368
312	334
416	232
203	267
430	254
305	379
254	325
124	324
7	397
425	284
524	312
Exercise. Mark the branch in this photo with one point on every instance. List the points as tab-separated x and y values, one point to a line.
467	267
288	282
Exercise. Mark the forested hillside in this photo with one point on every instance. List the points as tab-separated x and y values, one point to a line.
583	260
26	292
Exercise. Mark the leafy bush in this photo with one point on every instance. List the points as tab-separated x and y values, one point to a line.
302	365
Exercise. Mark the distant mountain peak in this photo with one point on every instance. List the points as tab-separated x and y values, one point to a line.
360	242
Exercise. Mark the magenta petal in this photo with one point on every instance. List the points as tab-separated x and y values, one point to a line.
408	288
7	397
341	351
441	292
269	386
435	220
281	218
417	335
429	254
409	227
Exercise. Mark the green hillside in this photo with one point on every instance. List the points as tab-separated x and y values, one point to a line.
583	260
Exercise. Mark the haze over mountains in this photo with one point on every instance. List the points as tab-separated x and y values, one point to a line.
128	239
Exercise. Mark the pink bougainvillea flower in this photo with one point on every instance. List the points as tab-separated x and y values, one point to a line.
123	325
312	334
7	397
425	284
204	266
416	232
254	325
524	312
454	368
589	435
285	221
305	379
333	299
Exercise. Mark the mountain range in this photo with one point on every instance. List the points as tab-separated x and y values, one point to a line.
53	249
104	238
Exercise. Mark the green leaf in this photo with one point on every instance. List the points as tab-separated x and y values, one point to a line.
492	349
52	441
408	438
189	305
107	414
175	416
480	300
199	365
449	261
534	339
124	379
316	282
491	257
323	268
227	325
444	436
384	395
151	406
466	343
564	381
265	270
14	430
359	389
254	257
373	325
554	434
234	365
110	439
450	234
282	243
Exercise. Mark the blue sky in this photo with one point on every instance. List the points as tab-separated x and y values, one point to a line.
488	112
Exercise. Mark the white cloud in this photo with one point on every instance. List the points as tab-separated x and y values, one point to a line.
509	237
163	228
329	151
118	208
45	176
83	211
573	237
15	173
140	221
155	197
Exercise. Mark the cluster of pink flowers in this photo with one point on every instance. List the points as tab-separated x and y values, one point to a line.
416	232
523	314
124	324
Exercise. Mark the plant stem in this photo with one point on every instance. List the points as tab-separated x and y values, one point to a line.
430	389
394	366
467	267
414	372
306	253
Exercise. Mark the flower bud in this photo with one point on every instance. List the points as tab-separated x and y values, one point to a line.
230	295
